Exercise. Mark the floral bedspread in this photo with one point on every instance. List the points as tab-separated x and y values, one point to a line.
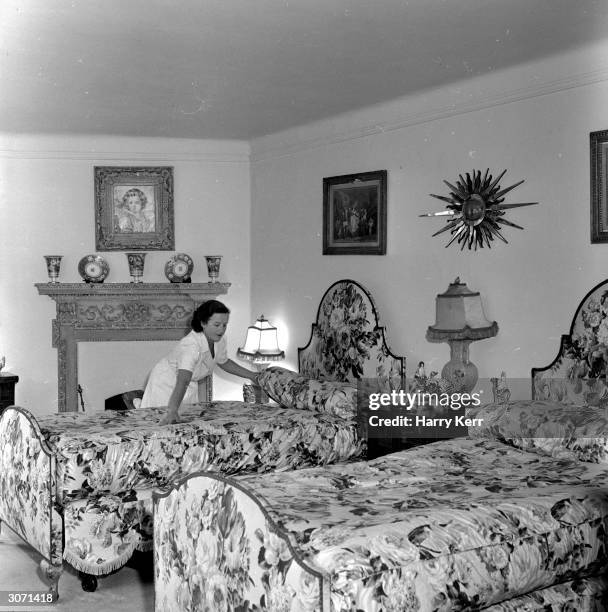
100	468
455	525
546	427
113	452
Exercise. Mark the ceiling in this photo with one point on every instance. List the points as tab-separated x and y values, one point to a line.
240	69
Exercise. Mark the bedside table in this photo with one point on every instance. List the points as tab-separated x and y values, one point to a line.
7	389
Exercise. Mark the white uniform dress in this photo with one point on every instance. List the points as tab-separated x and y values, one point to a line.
192	353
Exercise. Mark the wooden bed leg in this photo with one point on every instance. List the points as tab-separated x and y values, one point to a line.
53	573
88	582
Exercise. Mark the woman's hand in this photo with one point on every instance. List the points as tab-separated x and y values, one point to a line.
237	370
177	395
170	418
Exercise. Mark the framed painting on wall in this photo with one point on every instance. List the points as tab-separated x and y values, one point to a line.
354	214
599	180
134	208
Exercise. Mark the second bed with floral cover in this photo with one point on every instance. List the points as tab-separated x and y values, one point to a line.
464	524
88	478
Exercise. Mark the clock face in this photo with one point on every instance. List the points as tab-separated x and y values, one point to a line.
180	268
93	269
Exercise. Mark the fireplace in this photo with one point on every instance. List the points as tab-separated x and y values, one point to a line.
117	312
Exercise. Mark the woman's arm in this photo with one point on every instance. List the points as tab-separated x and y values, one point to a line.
234	368
181	384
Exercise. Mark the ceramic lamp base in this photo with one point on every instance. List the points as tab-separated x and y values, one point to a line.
459	370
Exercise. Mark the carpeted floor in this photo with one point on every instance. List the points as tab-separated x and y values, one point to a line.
130	589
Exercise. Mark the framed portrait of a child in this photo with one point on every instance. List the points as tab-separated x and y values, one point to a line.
134	208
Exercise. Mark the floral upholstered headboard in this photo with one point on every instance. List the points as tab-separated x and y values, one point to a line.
347	342
578	374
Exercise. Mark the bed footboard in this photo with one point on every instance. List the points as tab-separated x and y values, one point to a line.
215	548
27	488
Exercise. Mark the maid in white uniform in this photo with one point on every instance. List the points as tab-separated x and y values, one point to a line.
175	378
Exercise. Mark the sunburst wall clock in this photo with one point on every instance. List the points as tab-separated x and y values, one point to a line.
476	209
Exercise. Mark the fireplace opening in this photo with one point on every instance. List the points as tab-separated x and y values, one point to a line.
107	369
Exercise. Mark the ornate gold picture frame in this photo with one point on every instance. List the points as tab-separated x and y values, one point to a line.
134	208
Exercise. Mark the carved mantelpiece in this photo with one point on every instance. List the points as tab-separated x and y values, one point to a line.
117	311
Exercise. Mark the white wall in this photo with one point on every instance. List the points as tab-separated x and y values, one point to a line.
47	204
533	121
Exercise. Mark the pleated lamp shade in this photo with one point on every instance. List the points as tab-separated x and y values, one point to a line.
261	343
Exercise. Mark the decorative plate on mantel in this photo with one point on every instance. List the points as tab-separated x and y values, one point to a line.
93	268
179	268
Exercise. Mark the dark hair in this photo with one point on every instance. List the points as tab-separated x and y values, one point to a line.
205	311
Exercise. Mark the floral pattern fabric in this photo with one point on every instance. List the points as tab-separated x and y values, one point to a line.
455	525
101	533
578	375
27	484
584	594
216	550
100	468
347	342
115	451
550	428
292	390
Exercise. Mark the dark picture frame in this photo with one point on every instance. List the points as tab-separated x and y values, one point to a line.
354	214
599	186
134	208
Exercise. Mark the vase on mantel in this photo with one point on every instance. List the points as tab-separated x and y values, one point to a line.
53	265
213	267
136	266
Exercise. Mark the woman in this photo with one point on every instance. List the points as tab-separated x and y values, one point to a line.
176	377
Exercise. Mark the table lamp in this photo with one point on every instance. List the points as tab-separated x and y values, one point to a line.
261	348
460	320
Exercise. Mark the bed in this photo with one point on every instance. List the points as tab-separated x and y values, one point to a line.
577	375
512	517
78	487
